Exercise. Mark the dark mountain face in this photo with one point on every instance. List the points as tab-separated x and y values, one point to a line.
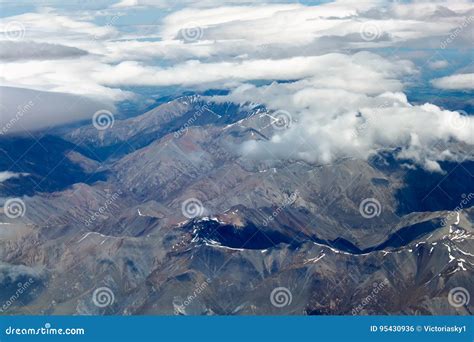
428	191
45	162
251	237
164	207
425	191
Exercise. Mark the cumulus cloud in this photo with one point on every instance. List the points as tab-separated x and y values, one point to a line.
455	82
371	124
353	108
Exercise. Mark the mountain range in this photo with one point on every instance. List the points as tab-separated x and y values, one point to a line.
167	213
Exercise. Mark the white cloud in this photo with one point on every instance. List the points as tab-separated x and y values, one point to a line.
313	45
321	68
338	114
438	64
12	50
46	26
182	3
295	24
28	110
455	82
288	30
338	131
5	175
126	3
72	77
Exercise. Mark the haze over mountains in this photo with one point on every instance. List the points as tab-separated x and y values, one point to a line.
293	158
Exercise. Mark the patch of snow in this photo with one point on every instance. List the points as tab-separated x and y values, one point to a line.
90	233
314	260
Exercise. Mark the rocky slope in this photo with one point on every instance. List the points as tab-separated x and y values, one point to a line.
168	215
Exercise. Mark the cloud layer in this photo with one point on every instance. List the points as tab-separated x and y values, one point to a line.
455	82
353	108
11	51
25	110
348	64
